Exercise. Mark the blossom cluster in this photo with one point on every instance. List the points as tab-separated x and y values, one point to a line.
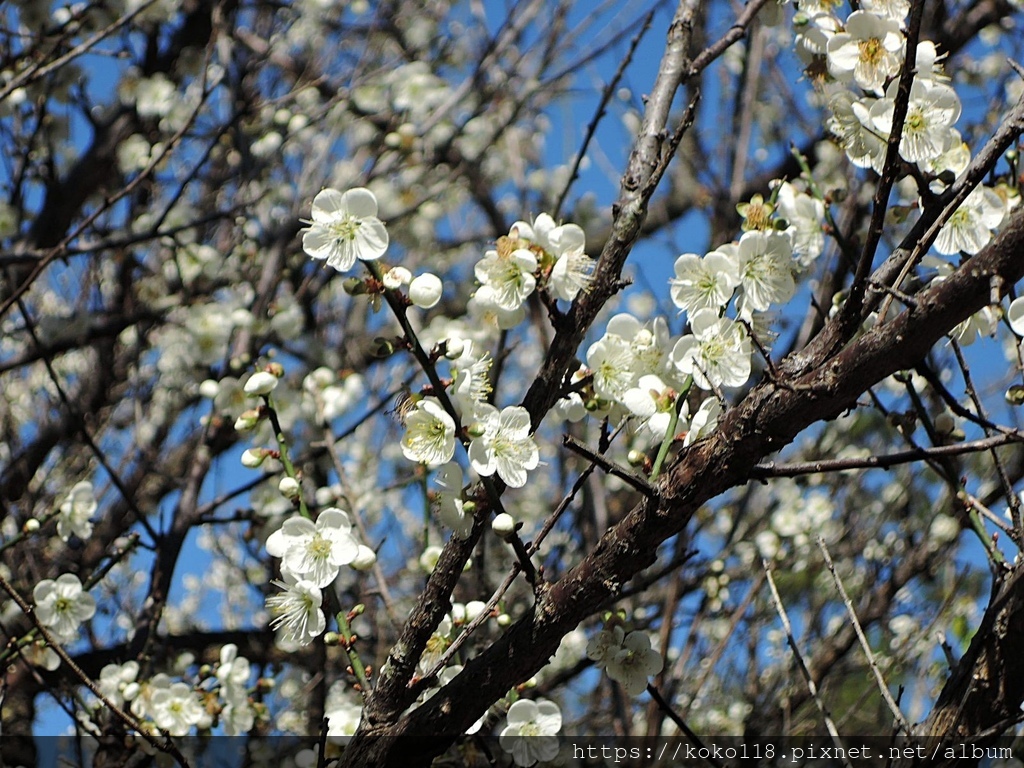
863	55
628	659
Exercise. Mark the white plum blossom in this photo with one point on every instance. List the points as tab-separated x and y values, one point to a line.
932	111
450	508
704	420
297	611
813	37
344	228
530	730
603	646
649	343
472	379
486	312
634	663
970	227
429	433
504	444
118	681
851	122
62	605
314	551
868	51
75	512
176	708
652	401
716	354
766	270
508	272
805	216
896	10
611	360
572	273
573	269
706	282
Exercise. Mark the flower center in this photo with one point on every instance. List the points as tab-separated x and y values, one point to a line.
345	230
871	50
319	547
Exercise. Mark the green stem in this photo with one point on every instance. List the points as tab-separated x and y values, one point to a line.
670	433
282	447
347	642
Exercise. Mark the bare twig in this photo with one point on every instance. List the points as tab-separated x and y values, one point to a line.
781	610
882	687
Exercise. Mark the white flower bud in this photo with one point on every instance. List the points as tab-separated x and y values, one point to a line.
31	525
289	487
504	525
396	277
474	608
364	559
429	558
253	457
260	383
425	291
209	389
247	420
454	348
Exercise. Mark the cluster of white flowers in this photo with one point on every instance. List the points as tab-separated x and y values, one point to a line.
541	254
173	706
312	554
530	731
628	659
237	715
864	54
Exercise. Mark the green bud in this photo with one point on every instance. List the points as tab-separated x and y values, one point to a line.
354	286
1015	394
382	347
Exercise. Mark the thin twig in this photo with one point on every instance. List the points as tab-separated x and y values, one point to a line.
692	737
771	469
609	466
811	687
882	687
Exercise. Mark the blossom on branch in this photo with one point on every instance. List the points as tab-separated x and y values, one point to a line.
344	228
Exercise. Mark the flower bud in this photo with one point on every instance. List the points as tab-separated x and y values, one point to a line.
504	525
289	488
382	347
364	559
396	277
1015	394
209	389
353	286
474	608
454	348
31	525
425	291
253	457
944	423
247	420
260	383
636	458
